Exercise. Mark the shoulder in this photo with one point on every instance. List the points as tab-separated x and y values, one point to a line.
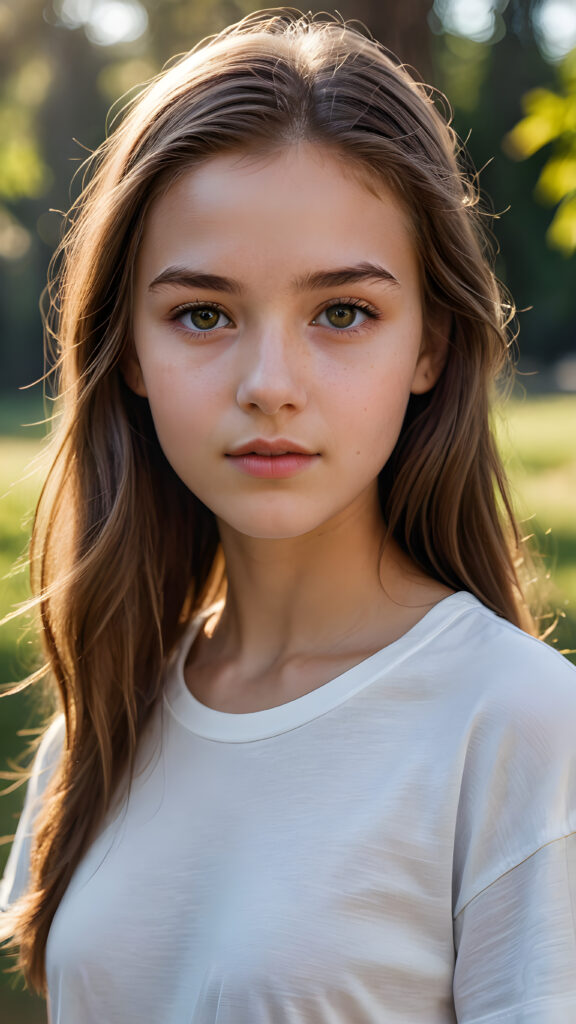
491	677
518	756
516	678
496	663
519	693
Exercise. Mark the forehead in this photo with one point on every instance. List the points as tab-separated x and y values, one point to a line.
275	213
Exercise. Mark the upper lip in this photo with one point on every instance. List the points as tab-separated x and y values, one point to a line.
280	446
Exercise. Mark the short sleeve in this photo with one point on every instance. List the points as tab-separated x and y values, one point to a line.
516	944
15	880
514	895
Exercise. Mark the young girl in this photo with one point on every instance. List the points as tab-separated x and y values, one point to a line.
310	766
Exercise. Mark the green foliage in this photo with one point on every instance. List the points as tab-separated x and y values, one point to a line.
464	65
536	439
23	170
57	83
550	118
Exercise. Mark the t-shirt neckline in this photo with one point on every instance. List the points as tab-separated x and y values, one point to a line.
244	727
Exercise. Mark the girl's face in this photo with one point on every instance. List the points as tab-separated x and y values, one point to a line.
277	310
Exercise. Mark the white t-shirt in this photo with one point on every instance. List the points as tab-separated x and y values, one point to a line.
396	846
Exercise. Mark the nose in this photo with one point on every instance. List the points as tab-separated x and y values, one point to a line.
271	373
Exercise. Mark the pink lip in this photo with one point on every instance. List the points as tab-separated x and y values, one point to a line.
279	447
271	460
272	467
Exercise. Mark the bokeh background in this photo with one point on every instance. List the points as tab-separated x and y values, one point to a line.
508	68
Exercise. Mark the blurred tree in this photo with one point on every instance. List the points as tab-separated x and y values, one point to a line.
46	94
485	80
63	62
551	118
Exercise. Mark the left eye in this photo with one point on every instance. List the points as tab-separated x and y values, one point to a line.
342	315
202	318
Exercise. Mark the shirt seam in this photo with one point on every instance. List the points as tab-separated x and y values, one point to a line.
549	842
567	1001
487	613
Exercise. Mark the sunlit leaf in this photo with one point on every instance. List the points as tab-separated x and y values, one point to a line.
528	136
23	173
558	179
551	118
543	102
545	121
562	232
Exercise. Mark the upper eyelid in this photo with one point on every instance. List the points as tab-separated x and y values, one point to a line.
361	304
184	307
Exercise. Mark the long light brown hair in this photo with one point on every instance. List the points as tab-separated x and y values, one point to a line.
122	553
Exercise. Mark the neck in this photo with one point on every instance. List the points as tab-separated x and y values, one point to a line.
327	591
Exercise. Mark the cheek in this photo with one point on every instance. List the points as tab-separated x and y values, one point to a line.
180	412
374	407
175	388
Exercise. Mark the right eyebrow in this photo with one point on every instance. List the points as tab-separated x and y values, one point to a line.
192	279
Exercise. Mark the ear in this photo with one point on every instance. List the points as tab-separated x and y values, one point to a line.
433	351
130	370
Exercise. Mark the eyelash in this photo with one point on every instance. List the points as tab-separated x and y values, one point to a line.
364	307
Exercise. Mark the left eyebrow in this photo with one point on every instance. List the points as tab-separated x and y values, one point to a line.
183	276
343	275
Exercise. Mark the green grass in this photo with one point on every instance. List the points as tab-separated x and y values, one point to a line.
537	441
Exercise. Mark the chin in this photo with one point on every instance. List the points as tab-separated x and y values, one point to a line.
271	531
271	526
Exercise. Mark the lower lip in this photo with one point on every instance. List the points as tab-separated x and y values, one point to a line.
272	467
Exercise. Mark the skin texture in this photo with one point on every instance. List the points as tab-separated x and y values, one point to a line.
306	595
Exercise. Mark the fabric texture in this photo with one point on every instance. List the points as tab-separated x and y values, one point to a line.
396	846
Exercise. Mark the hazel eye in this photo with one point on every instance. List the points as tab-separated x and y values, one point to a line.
343	315
202	318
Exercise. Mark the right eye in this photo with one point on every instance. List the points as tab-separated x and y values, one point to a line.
201	317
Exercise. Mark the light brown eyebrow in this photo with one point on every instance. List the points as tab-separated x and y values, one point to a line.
181	276
343	275
185	277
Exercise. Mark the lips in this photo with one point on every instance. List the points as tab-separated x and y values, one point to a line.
260	446
271	460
